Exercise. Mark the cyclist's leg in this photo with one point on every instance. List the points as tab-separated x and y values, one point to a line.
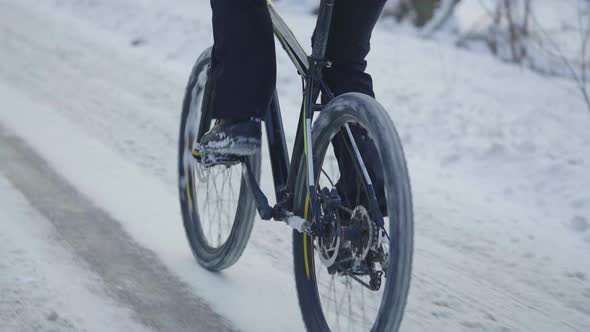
243	75
348	46
243	64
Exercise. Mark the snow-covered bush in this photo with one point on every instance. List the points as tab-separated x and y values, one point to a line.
503	25
426	14
551	37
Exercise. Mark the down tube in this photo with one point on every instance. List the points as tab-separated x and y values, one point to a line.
277	147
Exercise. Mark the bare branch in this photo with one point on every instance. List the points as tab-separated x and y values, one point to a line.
441	17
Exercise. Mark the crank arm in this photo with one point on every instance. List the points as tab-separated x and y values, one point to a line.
277	213
264	210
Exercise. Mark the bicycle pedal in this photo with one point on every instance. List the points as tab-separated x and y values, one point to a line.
197	155
213	159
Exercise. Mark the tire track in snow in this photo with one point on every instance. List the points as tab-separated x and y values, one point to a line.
131	274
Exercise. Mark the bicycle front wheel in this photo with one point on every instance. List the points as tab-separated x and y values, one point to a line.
339	280
217	207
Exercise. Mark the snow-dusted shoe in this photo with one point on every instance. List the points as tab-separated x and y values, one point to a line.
229	139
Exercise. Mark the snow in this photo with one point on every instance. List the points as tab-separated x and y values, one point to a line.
146	209
43	287
498	156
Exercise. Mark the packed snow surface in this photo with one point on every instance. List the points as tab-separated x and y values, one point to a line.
42	285
499	158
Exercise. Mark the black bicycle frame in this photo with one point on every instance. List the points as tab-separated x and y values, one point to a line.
310	69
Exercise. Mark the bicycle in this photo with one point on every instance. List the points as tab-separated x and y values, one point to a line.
355	243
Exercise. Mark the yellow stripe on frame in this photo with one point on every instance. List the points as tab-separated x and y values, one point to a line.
305	254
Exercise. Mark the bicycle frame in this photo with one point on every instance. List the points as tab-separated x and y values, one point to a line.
284	171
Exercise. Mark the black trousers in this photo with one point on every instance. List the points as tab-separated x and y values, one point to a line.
244	67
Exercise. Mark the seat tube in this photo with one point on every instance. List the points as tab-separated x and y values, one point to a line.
277	146
322	29
306	120
316	64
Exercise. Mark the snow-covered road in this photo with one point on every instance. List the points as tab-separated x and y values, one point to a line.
70	267
42	287
499	159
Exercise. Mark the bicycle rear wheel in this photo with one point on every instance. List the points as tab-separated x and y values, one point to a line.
217	207
335	276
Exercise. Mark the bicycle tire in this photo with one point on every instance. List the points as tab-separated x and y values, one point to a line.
226	254
368	113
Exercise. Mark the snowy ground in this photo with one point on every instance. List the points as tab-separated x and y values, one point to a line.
132	277
42	286
499	159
